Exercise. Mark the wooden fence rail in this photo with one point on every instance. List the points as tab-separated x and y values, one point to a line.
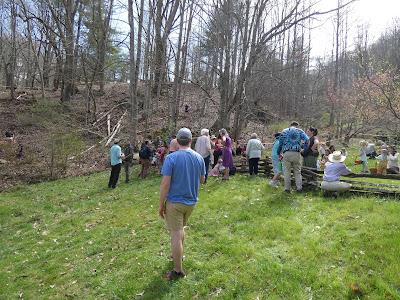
313	177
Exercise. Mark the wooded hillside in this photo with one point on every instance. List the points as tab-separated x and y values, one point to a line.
231	62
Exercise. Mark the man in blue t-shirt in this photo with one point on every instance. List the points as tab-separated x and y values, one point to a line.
116	157
183	171
290	144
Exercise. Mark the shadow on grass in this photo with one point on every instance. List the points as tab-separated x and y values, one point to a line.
158	286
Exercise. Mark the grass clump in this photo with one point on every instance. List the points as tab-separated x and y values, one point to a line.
74	238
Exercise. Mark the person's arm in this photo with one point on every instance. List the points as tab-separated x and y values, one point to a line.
281	139
203	171
304	136
314	148
120	153
223	141
129	155
164	189
248	148
209	145
344	170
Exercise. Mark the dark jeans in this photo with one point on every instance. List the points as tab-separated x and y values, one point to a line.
217	155
207	163
114	175
253	165
127	164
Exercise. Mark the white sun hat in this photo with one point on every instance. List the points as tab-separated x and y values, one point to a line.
336	156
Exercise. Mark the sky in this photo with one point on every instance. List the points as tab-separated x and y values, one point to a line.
376	14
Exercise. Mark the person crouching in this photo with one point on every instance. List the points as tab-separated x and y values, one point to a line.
335	168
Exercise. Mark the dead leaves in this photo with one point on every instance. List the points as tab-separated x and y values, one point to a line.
355	290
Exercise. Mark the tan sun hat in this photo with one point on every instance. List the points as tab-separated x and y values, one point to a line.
363	143
336	156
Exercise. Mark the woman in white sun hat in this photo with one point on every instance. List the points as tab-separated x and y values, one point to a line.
333	170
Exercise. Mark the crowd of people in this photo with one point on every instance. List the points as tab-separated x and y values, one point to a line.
292	148
185	169
217	153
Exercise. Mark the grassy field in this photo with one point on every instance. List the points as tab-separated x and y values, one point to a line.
74	238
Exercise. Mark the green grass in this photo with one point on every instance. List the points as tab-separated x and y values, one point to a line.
74	238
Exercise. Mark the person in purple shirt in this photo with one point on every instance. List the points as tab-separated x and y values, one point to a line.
335	168
227	158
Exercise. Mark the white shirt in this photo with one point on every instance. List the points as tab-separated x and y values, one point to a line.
253	149
393	160
363	154
203	146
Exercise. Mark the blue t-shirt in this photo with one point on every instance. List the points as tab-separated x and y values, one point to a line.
291	139
115	155
185	168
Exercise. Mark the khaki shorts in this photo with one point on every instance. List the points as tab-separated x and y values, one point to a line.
177	215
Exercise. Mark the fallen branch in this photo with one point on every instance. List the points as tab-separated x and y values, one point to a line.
116	130
394	186
108	112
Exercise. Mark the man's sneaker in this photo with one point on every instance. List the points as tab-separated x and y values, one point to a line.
287	191
174	275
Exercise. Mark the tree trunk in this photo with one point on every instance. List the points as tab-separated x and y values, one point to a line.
47	57
104	38
35	52
184	59
159	50
132	72
147	70
161	41
69	42
336	73
13	58
58	74
174	102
